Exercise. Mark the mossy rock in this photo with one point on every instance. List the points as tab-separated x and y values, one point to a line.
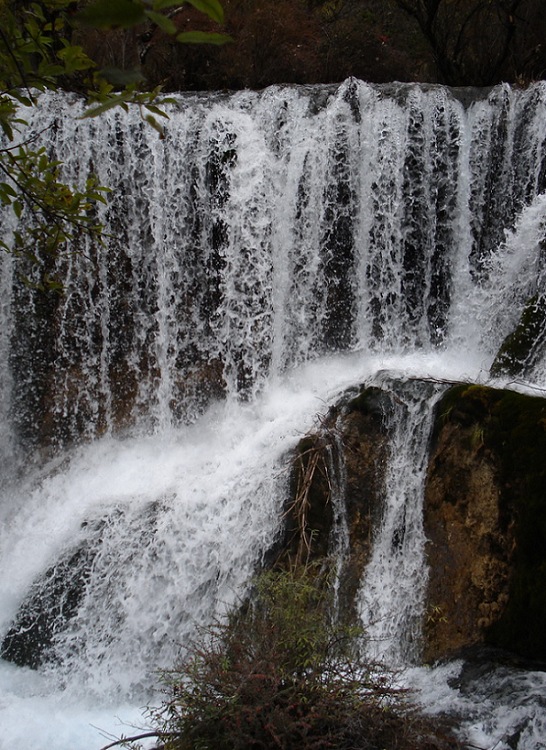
512	432
521	348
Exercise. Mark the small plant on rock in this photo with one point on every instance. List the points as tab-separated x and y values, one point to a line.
280	673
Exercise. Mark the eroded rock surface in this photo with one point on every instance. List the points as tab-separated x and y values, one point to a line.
484	511
485	517
351	447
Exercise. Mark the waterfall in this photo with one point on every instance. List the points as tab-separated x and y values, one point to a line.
272	250
393	588
265	230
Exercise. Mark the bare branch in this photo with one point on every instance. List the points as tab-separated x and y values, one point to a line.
135	738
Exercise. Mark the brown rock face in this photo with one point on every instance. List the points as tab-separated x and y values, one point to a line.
468	551
365	440
485	517
351	449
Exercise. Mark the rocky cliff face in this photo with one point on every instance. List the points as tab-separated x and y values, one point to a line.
470	530
354	437
484	513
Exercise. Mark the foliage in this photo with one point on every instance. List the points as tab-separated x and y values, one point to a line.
34	55
105	14
459	42
282	673
288	41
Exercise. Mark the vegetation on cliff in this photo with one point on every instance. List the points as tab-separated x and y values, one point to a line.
280	673
456	42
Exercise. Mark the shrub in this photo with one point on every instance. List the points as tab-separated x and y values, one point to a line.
280	673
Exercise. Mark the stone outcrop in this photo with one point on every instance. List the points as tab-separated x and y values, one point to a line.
47	610
524	346
484	512
471	537
485	515
363	426
354	438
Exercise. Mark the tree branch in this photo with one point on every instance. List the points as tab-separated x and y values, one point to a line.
135	738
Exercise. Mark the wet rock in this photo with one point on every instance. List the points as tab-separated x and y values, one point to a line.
365	439
350	448
485	518
484	511
50	604
525	344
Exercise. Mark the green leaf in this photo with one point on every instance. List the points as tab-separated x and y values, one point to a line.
7	189
162	4
104	14
24	100
104	106
121	78
203	37
164	23
211	8
156	110
150	119
75	58
6	129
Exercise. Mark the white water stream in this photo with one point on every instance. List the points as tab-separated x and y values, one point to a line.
278	247
392	593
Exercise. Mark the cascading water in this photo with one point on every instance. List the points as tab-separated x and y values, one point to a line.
393	588
272	250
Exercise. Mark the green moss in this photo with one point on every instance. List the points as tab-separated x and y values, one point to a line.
464	405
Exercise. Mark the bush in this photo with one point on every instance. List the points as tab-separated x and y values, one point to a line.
280	673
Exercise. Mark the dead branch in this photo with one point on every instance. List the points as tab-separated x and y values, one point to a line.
135	738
